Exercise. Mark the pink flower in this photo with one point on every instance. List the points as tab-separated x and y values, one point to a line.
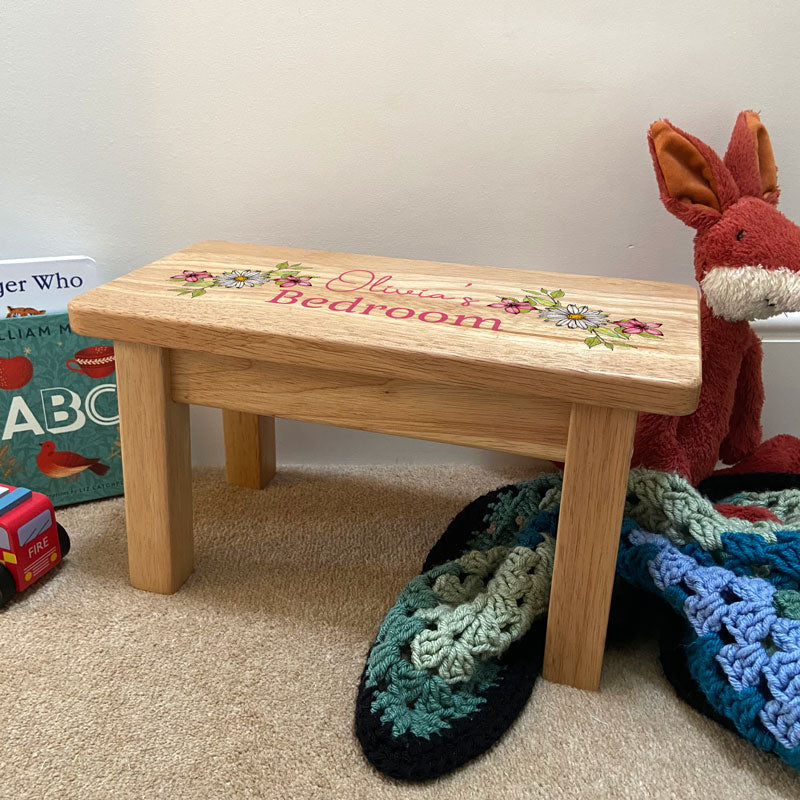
513	306
633	326
191	276
293	280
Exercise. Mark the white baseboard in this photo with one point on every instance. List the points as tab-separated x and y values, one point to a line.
785	328
781	373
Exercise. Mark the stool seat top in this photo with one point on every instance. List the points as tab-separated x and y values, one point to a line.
602	341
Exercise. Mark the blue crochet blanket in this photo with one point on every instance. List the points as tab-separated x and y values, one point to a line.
742	609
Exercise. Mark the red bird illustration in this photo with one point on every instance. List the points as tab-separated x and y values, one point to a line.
64	464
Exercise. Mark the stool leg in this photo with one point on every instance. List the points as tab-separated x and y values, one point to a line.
249	448
156	463
599	447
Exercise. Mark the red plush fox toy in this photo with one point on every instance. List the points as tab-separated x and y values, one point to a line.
747	262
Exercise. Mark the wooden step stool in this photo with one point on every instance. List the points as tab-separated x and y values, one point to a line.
543	364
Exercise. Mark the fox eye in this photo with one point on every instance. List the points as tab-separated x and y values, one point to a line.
740	235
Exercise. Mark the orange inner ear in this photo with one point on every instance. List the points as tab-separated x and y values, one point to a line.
686	172
766	160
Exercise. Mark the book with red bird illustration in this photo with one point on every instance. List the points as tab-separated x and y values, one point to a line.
59	423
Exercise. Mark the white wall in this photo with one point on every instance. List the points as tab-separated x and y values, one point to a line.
507	133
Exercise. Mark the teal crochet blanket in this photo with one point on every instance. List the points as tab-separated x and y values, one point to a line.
457	655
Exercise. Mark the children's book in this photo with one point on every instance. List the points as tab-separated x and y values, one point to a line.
59	423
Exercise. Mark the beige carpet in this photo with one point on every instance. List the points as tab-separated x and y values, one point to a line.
242	684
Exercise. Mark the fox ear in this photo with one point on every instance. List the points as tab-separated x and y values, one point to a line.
750	159
695	185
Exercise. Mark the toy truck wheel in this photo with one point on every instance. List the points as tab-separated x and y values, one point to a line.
63	540
7	587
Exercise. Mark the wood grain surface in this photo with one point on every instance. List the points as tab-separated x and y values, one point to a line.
482	418
249	448
415	320
592	502
156	463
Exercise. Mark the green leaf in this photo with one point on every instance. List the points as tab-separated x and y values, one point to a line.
557	293
198	292
625	344
609	332
609	345
622	333
531	291
547	302
650	335
282	265
592	341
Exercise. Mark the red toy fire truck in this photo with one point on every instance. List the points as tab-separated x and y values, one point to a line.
31	541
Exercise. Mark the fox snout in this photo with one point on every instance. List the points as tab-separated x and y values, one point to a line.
751	292
748	264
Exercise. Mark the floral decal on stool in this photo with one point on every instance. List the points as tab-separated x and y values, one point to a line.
575	317
197	283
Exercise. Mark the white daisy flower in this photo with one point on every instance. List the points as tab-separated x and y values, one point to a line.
237	278
574	316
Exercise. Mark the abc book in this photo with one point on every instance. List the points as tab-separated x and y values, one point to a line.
59	423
